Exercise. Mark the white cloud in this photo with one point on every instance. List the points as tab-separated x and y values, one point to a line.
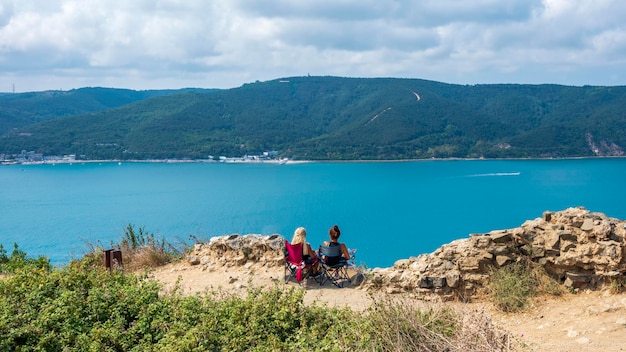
144	44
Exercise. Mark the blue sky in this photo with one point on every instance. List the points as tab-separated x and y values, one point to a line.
142	44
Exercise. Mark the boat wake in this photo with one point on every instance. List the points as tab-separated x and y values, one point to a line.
496	174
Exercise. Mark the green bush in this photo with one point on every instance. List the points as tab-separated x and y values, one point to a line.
511	286
84	307
18	259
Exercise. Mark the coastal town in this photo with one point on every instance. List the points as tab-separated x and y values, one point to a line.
270	157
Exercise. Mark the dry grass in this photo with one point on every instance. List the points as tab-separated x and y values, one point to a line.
512	287
140	250
403	324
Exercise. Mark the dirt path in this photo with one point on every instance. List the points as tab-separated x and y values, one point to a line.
588	321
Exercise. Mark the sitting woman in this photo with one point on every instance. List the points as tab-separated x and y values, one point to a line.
308	254
334	234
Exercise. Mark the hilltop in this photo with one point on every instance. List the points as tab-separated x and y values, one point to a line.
579	249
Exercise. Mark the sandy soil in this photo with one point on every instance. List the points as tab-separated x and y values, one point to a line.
587	321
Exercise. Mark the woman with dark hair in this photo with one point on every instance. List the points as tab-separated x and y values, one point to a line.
334	234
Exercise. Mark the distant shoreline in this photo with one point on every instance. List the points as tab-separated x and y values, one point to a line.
159	161
291	162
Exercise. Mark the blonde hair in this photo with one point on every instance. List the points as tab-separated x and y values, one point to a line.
299	236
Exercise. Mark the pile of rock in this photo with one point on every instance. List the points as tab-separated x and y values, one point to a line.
579	248
238	250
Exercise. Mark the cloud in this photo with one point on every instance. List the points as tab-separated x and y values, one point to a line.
144	44
6	12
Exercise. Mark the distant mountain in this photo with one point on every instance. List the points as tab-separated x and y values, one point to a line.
22	109
335	118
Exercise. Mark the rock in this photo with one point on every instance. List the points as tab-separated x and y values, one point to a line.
567	235
503	260
585	249
572	333
439	282
234	242
275	242
577	280
393	290
498	250
453	279
602	231
583	340
468	264
500	236
587	225
357	279
566	246
547	216
426	282
552	240
480	241
401	264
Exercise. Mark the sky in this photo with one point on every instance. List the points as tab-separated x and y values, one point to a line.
171	44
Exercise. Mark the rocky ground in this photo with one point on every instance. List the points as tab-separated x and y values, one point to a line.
586	321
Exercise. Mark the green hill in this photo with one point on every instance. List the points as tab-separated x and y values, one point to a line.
23	109
342	119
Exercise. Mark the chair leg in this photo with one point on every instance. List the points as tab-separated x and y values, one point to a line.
287	274
333	276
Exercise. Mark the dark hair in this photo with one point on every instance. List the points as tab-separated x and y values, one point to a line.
334	233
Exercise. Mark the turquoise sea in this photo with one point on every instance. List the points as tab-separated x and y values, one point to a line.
387	210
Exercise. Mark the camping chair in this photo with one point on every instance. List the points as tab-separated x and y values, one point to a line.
295	267
334	266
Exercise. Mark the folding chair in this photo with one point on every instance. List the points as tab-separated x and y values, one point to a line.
295	267
334	266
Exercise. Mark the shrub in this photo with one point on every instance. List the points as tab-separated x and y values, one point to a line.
545	283
617	286
401	325
511	286
142	249
82	306
18	259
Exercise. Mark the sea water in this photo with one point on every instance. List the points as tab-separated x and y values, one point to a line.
386	210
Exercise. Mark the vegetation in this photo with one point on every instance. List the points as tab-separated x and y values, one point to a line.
512	286
400	325
143	250
83	307
23	109
18	259
323	118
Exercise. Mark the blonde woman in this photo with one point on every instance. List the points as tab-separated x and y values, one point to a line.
308	254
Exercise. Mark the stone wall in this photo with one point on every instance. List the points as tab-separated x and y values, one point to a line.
238	250
579	248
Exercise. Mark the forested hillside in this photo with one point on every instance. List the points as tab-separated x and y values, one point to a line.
340	119
22	109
